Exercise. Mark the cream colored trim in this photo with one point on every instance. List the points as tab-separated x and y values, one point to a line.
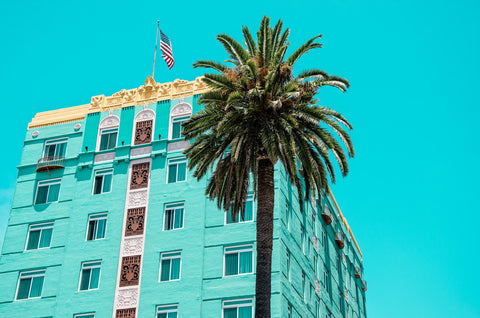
151	92
344	221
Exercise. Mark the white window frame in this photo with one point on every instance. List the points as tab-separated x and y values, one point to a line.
304	294
170	206
289	264
110	122
167	309
237	249
86	265
41	227
96	217
47	183
170	255
225	304
84	315
178	111
55	142
30	274
173	161
144	115
249	198
102	172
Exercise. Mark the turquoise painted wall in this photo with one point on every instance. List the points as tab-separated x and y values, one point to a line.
202	287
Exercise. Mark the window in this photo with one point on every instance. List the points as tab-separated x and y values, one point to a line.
303	287
89	315
103	181
238	260
30	284
96	226
108	138
169	311
90	275
287	216
177	170
170	266
39	236
55	148
241	308
302	238
325	278
177	126
47	191
248	213
173	216
288	265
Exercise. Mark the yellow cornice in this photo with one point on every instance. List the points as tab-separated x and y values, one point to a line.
151	92
344	220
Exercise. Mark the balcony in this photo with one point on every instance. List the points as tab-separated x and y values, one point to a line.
50	163
364	285
357	272
340	240
326	215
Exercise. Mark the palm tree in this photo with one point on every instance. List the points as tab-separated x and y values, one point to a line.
256	114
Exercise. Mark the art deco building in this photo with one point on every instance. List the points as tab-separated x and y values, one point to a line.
106	221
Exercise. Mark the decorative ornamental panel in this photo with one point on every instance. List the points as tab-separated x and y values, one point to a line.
127	297
139	178
143	132
137	198
126	313
133	246
135	220
130	271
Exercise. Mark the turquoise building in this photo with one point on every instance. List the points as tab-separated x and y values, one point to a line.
106	221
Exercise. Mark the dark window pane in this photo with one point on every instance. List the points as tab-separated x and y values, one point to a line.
45	238
85	280
107	183
172	173
24	288
182	170
112	142
165	275
37	284
97	188
91	230
231	264
42	192
53	193
33	240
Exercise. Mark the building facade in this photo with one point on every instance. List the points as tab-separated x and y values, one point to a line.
106	221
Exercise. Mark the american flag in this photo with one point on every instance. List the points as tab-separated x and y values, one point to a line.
166	48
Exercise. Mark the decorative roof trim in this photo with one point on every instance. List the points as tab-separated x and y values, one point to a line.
151	92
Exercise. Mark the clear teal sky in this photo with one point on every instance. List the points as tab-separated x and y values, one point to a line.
412	195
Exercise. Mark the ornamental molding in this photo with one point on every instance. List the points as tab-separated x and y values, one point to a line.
146	114
110	121
132	246
181	109
140	151
137	198
108	156
151	92
127	298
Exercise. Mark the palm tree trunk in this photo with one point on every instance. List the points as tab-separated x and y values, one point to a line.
265	199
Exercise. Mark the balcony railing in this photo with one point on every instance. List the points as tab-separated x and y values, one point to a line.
50	163
326	215
357	272
339	239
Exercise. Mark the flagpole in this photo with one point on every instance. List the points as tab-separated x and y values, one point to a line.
155	53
